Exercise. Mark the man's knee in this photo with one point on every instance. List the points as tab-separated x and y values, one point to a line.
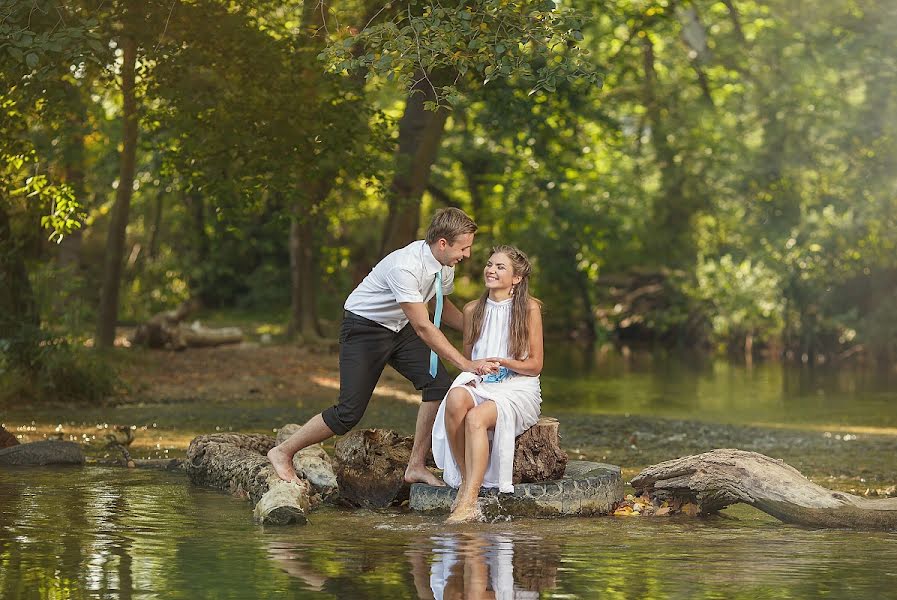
341	418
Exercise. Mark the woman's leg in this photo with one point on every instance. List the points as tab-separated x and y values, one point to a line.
477	424
457	403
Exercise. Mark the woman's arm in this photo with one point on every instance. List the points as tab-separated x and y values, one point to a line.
467	344
532	366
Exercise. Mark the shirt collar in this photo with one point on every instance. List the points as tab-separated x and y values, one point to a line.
430	263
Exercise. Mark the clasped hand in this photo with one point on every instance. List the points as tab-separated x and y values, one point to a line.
486	366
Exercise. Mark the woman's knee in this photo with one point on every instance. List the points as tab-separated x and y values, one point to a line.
480	418
458	402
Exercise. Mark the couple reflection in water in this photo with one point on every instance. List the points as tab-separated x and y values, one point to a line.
468	565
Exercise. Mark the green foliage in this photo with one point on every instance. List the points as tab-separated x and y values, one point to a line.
482	41
53	370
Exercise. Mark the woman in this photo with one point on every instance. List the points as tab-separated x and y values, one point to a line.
505	324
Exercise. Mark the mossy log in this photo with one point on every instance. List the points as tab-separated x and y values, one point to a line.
537	453
717	479
237	463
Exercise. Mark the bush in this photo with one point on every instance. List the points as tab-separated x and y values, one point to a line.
55	371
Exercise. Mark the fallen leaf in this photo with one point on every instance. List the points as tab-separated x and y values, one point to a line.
690	509
663	511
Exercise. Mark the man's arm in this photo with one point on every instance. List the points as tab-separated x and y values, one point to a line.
420	319
451	316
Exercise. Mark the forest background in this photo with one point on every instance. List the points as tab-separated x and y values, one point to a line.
693	175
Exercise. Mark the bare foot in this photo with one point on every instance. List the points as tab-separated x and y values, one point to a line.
283	465
466	512
422	475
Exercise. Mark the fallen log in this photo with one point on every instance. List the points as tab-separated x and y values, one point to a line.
237	463
370	467
537	453
720	478
164	330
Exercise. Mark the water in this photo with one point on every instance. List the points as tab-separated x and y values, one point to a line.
105	532
113	533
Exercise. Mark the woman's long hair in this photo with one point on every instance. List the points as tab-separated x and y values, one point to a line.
518	342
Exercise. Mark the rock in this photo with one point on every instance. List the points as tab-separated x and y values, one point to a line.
587	488
47	452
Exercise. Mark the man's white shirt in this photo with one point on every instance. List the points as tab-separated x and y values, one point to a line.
406	275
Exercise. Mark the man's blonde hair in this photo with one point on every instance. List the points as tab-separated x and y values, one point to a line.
449	223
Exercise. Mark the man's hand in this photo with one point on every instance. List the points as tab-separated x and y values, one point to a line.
483	366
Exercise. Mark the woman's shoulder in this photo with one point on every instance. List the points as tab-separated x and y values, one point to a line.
534	304
468	308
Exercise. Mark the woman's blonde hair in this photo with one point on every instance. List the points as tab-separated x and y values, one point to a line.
518	338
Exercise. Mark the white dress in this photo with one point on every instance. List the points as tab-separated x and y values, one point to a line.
517	400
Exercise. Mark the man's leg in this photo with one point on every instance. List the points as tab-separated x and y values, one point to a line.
364	349
281	456
411	358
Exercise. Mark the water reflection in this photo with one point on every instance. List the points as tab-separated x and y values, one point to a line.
470	565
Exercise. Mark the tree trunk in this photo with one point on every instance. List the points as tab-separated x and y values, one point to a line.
237	463
303	277
19	318
717	479
537	453
370	467
115	243
420	132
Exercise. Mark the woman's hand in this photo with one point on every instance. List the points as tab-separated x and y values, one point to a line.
489	365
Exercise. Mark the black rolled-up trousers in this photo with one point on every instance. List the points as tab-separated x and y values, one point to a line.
366	347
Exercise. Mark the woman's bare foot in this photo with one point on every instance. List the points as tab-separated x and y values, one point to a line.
467	511
283	464
422	475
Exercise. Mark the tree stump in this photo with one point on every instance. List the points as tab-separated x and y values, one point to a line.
7	439
537	453
370	467
237	463
719	478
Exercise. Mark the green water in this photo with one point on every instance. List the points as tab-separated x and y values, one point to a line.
103	532
110	533
718	391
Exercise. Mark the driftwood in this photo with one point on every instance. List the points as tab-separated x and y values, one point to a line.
164	330
717	479
7	439
537	453
238	464
370	467
45	452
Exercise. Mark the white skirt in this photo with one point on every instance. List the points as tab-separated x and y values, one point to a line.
518	400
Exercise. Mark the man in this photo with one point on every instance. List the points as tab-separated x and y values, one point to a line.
386	322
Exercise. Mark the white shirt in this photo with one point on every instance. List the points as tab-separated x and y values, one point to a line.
405	275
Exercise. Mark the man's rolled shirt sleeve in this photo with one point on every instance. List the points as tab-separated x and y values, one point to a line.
448	281
404	285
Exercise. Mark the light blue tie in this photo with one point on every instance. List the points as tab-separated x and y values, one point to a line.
437	318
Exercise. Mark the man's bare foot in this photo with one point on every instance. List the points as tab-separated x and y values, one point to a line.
465	512
422	475
283	464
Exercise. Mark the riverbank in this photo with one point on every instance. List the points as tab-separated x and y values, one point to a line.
172	396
